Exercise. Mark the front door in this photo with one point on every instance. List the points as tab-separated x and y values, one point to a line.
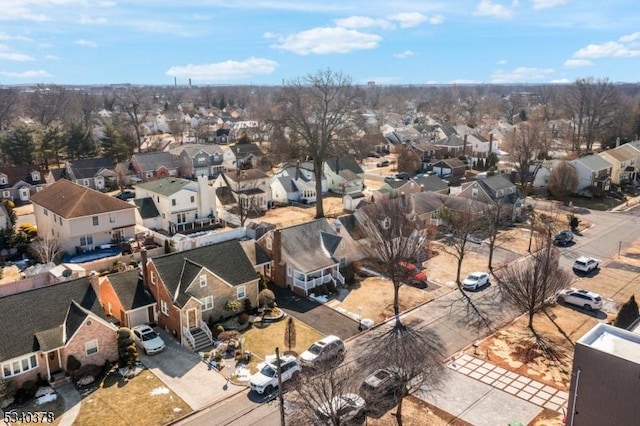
54	361
192	318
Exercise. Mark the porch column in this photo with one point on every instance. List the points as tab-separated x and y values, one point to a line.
46	358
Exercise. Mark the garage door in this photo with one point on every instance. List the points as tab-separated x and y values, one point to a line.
139	316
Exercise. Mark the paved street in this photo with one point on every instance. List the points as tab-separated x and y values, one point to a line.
447	317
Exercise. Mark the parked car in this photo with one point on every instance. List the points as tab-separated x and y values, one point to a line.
564	238
475	280
473	239
343	408
125	195
402	175
373	154
585	264
326	349
383	163
382	382
265	381
415	276
583	298
148	339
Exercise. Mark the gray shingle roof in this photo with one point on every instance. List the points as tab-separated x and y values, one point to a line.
227	260
496	182
431	183
166	186
150	161
339	164
310	246
146	207
594	162
130	289
89	167
42	312
427	202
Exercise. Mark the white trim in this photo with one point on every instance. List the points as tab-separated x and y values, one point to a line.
89	346
31	360
205	303
164	307
244	292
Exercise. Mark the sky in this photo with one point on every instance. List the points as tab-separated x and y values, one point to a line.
268	42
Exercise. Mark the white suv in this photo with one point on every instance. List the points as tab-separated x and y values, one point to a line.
585	264
583	298
265	381
326	349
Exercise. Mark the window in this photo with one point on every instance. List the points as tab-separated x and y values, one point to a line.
91	347
474	192
109	308
112	217
35	176
86	241
289	271
85	182
207	303
153	278
19	366
203	280
193	199
202	160
3	180
164	307
6	194
173	202
60	220
241	292
95	220
46	212
269	243
343	261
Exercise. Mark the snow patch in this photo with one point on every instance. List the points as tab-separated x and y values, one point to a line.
159	391
46	398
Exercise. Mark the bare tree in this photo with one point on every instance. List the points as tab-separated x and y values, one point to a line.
524	145
9	105
414	358
532	281
314	110
512	106
317	398
392	235
563	180
48	103
408	160
134	104
46	249
548	96
494	218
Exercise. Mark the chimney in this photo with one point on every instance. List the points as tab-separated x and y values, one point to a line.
490	143
279	276
464	144
145	269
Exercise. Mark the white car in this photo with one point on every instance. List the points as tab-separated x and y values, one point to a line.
475	280
265	381
585	264
583	298
148	339
326	349
342	408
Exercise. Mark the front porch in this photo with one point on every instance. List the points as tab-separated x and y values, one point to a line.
310	280
195	226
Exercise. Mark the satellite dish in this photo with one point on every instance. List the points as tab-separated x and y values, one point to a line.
66	273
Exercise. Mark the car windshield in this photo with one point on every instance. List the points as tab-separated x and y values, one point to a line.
149	335
315	349
268	371
473	277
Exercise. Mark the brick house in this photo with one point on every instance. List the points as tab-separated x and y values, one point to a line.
192	287
68	321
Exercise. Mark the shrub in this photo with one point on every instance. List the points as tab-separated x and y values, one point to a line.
72	364
26	392
232	305
87	370
217	357
243	318
211	323
331	286
628	313
247	305
10	388
218	331
266	298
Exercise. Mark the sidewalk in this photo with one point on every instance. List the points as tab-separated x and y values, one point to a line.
71	396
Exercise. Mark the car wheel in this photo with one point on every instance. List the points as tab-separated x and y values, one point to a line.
146	352
587	307
268	390
597	266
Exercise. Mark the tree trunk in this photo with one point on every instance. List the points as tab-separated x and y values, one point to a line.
317	171
396	302
491	248
399	412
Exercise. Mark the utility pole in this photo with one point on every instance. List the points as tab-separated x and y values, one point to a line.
280	387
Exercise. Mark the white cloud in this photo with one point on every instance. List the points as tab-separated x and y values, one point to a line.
489	8
364	22
577	63
199	17
224	71
408	19
12	56
630	38
92	21
87	43
405	54
5	36
326	40
502	61
26	74
520	75
560	81
547	4
610	49
463	81
436	19
51	57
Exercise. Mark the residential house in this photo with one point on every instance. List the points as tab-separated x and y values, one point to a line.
249	188
40	329
295	183
431	183
425	150
125	299
495	189
242	156
95	173
147	213
19	183
428	206
5	221
183	205
154	165
593	172
193	287
452	146
305	256
395	187
344	175
624	160
604	379
199	160
452	168
81	218
257	256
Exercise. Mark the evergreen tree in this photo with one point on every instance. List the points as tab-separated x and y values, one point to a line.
628	313
113	143
17	144
80	143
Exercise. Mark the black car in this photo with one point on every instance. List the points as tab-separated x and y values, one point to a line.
564	238
125	195
402	175
383	163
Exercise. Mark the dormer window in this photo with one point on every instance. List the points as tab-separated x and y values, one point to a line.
3	180
35	176
203	280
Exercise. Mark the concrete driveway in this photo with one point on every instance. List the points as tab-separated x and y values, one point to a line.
183	371
323	318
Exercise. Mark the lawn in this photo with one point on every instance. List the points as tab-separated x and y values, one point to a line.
263	341
143	400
